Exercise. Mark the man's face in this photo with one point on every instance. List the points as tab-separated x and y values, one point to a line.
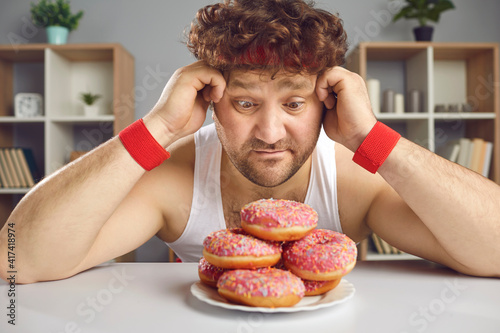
268	127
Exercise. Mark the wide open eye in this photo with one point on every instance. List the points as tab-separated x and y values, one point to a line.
295	106
245	105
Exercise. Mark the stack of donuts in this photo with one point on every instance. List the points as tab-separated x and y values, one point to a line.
277	256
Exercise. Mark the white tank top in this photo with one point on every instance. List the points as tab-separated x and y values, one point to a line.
206	213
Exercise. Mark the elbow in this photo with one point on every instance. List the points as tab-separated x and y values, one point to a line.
482	273
10	271
12	276
485	270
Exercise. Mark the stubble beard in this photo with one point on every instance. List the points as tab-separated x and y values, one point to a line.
269	172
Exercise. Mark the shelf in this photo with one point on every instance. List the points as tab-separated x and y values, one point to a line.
83	119
391	51
13	120
437	116
14	190
402	256
465	115
73	52
404	116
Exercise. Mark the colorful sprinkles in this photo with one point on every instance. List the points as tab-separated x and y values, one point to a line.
264	282
278	213
321	251
236	242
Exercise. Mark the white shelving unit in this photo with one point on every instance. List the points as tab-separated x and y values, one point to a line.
61	73
445	73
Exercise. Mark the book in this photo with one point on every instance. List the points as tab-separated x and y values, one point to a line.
376	242
17	168
450	150
30	161
25	168
487	159
476	157
12	168
6	169
3	176
463	155
382	246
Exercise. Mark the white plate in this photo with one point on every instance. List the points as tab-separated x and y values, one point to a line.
343	292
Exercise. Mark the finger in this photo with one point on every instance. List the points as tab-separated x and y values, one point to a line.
330	101
206	92
212	87
325	86
330	81
218	86
322	89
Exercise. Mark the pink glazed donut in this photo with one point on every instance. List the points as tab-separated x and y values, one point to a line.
234	248
321	256
278	220
314	288
265	287
208	273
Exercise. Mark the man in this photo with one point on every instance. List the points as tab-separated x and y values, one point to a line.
269	69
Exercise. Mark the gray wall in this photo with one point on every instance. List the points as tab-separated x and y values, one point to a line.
152	31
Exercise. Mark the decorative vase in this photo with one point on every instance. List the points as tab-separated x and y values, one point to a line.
423	33
91	110
57	35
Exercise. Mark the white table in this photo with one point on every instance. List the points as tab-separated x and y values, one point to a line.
391	296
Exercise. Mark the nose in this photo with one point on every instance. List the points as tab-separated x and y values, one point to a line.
270	126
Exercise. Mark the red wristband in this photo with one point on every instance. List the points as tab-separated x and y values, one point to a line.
142	146
377	145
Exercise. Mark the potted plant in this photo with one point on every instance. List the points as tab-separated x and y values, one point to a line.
56	17
89	108
423	11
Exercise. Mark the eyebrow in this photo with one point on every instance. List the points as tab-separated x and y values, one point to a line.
244	85
282	84
294	84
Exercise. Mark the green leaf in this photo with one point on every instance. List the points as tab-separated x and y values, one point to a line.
89	98
47	13
441	6
423	10
404	12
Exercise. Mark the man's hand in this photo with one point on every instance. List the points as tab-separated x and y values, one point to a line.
349	117
181	109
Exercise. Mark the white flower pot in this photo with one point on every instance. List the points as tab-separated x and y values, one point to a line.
91	110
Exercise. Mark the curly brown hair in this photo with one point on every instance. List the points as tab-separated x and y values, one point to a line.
288	35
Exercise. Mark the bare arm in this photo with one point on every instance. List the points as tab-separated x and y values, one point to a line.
460	208
57	222
433	208
102	205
